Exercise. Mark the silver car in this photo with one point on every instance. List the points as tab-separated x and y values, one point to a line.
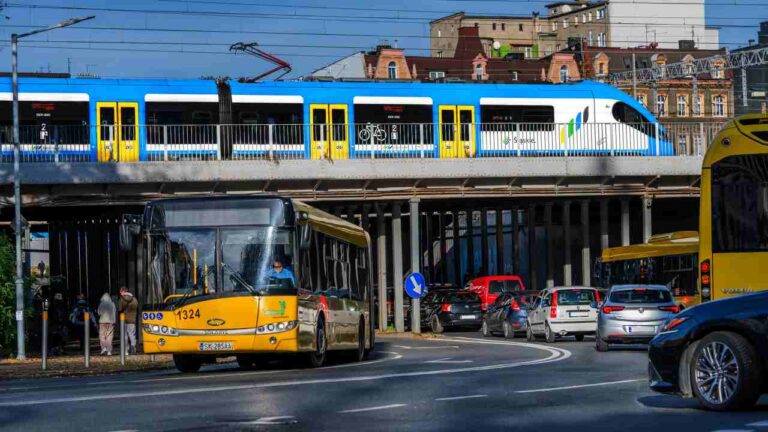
633	314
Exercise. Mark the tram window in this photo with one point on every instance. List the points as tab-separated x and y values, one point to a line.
507	118
128	122
339	121
447	121
740	204
465	119
626	114
318	124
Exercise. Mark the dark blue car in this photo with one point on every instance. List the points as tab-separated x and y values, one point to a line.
508	314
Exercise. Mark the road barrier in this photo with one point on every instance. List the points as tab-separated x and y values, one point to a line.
87	340
45	337
122	338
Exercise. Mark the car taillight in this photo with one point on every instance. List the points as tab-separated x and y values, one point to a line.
597	296
673	309
446	307
610	309
553	306
706	288
515	306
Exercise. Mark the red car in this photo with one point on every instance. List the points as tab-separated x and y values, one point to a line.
490	287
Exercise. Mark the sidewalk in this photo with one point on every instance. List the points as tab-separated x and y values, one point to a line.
75	366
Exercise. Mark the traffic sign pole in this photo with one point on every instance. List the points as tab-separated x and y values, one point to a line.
415	263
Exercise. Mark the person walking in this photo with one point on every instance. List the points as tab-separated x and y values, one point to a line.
107	312
129	306
77	318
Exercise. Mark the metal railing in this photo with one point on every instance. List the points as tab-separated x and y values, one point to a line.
204	142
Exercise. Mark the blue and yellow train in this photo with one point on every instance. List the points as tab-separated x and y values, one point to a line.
135	119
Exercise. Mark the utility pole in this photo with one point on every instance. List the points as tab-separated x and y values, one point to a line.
634	76
20	343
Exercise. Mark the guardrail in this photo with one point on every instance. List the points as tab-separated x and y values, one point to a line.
116	143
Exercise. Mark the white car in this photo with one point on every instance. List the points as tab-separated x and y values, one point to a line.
564	311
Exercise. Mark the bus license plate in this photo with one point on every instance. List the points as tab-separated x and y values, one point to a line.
467	317
215	346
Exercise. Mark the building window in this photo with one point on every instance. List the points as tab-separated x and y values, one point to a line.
589	16
528	52
718	106
514	75
601	39
565	23
493	26
503	26
682	106
584	18
439	33
547	51
600	13
682	144
563	73
718	74
554	25
557	47
392	70
642	100
601	68
479	71
519	27
661	105
440	53
477	25
697	145
436	74
576	20
697	105
591	39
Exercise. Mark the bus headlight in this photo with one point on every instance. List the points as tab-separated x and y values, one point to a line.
277	327
155	329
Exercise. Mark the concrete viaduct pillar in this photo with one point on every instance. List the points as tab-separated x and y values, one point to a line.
624	222
532	247
585	252
567	273
381	255
415	261
397	267
647	218
550	245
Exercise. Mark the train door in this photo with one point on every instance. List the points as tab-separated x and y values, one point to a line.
457	131
329	130
117	133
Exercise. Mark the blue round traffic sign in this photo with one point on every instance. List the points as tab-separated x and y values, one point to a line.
415	285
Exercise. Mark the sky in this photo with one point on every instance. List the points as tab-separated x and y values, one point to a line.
123	40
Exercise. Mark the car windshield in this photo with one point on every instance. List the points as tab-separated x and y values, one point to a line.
641	295
461	297
573	297
502	286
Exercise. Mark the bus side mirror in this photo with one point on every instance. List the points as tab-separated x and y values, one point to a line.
130	228
305	231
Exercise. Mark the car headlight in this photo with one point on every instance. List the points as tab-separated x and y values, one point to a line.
162	330
672	324
277	327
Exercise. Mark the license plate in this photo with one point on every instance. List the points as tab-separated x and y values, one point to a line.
215	346
641	329
467	317
578	314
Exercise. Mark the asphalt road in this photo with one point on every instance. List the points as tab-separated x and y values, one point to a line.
459	382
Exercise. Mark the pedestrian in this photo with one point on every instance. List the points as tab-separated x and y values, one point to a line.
107	312
77	318
129	306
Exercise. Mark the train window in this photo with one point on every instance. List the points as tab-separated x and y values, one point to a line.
107	116
447	121
626	114
398	124
128	123
339	121
465	119
202	117
318	124
507	118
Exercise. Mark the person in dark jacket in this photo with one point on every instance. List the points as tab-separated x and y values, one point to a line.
129	306
77	318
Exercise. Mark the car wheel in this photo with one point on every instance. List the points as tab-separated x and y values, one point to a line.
317	357
529	336
484	329
579	337
549	334
508	332
245	362
600	344
187	363
436	326
726	372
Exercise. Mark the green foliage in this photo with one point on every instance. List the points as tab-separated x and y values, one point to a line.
7	294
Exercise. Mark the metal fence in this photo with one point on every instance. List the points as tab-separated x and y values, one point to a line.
202	142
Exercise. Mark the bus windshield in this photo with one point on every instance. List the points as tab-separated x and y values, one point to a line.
247	260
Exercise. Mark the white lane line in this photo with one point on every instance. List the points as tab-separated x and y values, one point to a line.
555	355
763	423
461	397
376	408
448	360
551	389
276	420
425	347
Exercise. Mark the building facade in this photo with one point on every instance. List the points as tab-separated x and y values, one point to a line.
756	80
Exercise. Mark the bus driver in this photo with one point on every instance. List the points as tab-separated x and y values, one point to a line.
279	272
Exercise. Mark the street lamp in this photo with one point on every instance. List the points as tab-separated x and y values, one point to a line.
17	182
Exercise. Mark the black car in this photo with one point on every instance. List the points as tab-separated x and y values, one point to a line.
442	309
508	314
716	352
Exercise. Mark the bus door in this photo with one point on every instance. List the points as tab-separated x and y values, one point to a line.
457	131
117	133
329	127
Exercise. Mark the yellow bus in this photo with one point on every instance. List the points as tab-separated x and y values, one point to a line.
734	210
667	259
253	277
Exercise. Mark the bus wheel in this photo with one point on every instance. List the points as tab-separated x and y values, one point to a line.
360	355
245	362
317	357
187	363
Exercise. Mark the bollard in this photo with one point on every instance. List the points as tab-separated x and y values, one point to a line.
45	339
87	342
122	338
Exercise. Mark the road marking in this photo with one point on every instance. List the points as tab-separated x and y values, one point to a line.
277	420
448	360
461	397
555	355
580	386
763	423
426	347
376	408
734	430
